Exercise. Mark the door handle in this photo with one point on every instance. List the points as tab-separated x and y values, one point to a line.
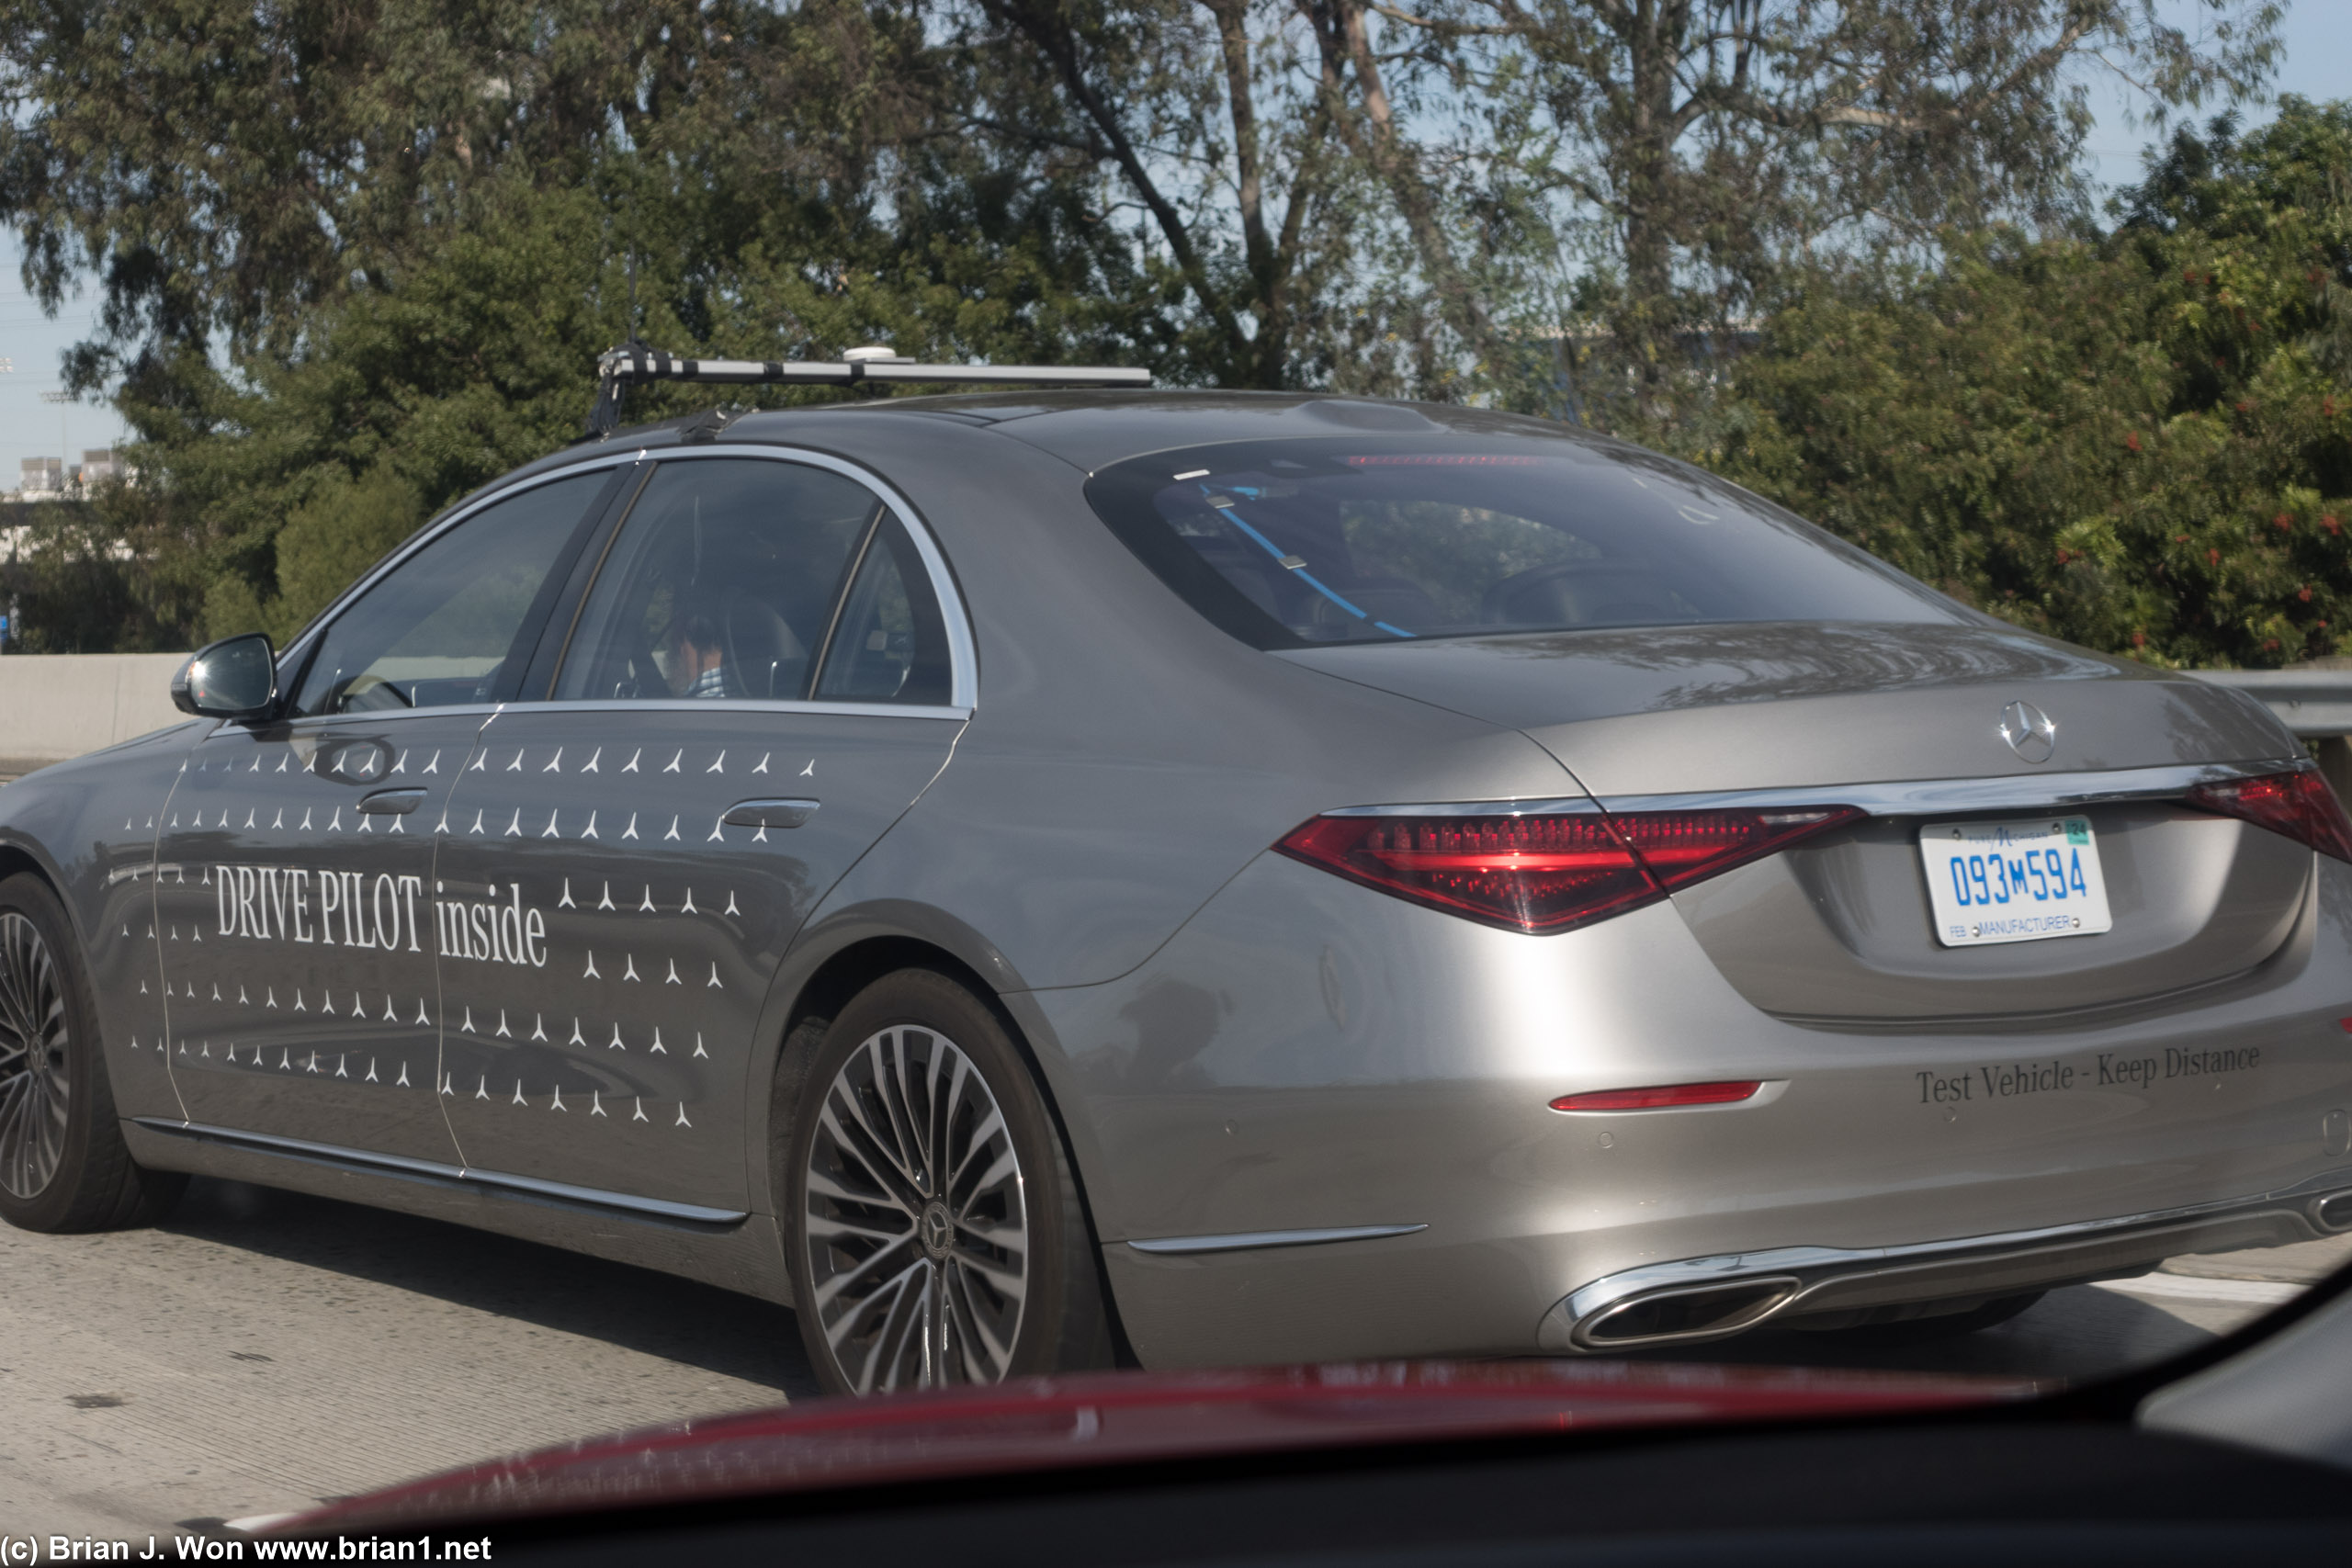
392	802
769	813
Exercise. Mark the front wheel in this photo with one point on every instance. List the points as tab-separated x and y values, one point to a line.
934	1228
64	1166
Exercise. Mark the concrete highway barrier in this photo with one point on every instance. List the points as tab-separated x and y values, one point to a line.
2313	700
55	705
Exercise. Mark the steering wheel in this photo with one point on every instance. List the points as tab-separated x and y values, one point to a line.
371	693
1494	603
1608	592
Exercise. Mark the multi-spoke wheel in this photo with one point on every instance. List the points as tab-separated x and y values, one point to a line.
34	1091
64	1166
939	1238
916	1231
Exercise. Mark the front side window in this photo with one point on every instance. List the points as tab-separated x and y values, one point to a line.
1293	543
721	583
453	621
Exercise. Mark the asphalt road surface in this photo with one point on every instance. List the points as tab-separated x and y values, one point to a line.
265	1351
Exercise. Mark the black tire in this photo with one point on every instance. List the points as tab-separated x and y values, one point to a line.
880	1245
64	1166
1912	1331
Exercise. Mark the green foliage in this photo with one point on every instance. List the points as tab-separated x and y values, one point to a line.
345	527
75	588
2141	443
356	259
276	484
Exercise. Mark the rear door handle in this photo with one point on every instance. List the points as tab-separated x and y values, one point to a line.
769	813
392	802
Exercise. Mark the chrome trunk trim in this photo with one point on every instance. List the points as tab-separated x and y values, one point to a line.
1833	1279
371	1163
1475	808
1904	797
1243	1241
1939	798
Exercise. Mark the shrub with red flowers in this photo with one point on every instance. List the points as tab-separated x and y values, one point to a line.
2141	441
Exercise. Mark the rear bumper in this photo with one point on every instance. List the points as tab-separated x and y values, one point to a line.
1309	1057
1697	1299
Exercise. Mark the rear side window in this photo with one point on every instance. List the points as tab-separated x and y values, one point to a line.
890	645
720	584
1296	543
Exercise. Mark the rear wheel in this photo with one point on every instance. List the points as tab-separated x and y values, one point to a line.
64	1166
935	1230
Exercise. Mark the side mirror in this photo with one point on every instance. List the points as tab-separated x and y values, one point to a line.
234	678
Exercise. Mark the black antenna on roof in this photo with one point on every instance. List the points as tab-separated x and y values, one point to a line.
633	363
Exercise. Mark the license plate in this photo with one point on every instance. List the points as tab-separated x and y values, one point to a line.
2024	881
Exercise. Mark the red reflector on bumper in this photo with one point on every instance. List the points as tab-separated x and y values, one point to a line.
1659	1098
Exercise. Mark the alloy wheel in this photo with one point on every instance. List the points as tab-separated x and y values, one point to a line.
915	1218
33	1044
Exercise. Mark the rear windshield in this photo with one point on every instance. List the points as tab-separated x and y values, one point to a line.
1288	544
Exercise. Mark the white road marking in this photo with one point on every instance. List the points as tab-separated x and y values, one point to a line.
2252	1292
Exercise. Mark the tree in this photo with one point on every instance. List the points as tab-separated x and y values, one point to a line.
1693	151
408	231
2142	442
359	254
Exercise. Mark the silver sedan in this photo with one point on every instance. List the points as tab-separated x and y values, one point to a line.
1038	879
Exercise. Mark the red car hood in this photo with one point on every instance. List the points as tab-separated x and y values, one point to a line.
1044	1424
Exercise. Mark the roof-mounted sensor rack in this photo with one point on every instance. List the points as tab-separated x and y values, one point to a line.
633	364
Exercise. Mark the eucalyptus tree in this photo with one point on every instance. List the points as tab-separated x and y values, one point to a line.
334	236
1692	150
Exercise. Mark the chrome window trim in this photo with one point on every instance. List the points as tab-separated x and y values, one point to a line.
714	705
961	649
366	1159
1910	797
305	724
1243	1241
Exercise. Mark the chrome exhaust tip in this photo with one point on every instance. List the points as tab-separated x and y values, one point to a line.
1677	1316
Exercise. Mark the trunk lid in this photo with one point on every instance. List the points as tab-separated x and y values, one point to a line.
1841	928
1681	709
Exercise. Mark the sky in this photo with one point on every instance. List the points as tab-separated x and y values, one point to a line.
2317	33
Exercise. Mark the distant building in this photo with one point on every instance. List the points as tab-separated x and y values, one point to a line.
47	478
41	478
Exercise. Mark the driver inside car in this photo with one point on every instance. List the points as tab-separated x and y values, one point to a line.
694	662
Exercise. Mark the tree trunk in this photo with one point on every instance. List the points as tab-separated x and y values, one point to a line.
1341	32
1269	347
1652	36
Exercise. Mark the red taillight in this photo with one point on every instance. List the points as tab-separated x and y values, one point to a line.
2298	805
1548	873
1660	1098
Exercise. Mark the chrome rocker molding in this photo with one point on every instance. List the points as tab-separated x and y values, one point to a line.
1243	1241
1711	1298
367	1163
